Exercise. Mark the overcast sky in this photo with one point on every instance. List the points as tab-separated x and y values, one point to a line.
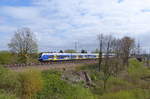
58	24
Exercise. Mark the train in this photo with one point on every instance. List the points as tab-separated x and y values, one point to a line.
66	56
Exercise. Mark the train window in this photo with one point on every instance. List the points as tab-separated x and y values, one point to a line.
40	55
86	56
62	56
59	57
73	56
45	56
89	56
51	56
92	56
80	56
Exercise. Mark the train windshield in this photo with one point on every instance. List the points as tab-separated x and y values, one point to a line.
40	55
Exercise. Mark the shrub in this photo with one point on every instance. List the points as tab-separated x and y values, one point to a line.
136	69
31	82
78	92
6	57
9	80
55	88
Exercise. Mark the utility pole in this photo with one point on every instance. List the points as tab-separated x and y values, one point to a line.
138	48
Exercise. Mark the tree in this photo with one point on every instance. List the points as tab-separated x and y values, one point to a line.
61	51
70	51
117	56
127	44
106	47
107	67
100	38
23	43
83	51
96	51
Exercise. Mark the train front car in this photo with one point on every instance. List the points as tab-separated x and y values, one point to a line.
46	57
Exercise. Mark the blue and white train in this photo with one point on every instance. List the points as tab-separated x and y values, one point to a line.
66	56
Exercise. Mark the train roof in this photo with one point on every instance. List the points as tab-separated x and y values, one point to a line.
69	54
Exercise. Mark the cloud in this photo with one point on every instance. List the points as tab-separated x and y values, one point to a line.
120	1
58	24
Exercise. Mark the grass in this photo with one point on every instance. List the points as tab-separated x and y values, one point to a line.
56	88
128	94
50	85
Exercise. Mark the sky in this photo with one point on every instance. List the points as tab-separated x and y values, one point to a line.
58	24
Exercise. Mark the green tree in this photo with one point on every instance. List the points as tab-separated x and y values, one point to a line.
83	51
70	51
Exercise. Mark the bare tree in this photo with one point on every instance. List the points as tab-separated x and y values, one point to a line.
108	67
117	56
100	38
23	43
127	44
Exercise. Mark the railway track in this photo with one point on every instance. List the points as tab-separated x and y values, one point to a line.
52	63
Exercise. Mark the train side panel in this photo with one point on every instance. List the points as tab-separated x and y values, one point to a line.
66	56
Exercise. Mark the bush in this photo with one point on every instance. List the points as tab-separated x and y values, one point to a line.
6	57
31	82
136	69
9	80
55	88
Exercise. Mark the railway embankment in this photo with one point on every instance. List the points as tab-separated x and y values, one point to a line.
64	65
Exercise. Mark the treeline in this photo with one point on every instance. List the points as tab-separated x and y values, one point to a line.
23	48
114	55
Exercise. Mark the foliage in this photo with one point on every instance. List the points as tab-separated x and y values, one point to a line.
31	83
55	88
7	96
6	57
127	44
70	51
23	43
34	84
90	67
83	51
136	69
116	84
30	58
9	80
128	94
